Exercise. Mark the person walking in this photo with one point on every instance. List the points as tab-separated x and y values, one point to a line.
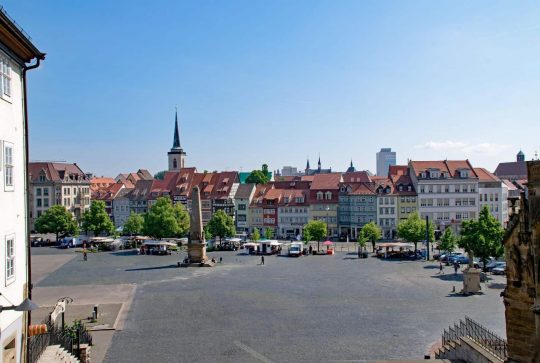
262	259
441	268
456	268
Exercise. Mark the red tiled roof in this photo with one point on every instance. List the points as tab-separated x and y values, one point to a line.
484	175
450	166
357	176
326	181
397	170
55	171
359	188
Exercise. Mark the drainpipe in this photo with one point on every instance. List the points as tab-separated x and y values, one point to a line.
27	189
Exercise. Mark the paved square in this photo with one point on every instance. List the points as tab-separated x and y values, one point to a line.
315	308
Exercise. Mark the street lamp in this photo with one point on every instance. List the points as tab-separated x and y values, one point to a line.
26	305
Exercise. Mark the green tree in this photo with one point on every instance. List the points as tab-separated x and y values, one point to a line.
448	241
207	235
257	177
268	233
134	224
255	236
58	220
362	241
160	175
371	232
182	218
96	219
221	225
316	230
413	229
482	238
161	220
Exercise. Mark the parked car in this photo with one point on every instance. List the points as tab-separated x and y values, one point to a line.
446	255
499	270
493	264
70	242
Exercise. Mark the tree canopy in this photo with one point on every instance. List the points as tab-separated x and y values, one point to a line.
259	176
315	230
448	241
255	236
134	224
160	175
483	237
268	233
161	220
221	225
413	229
96	219
371	232
182	218
58	220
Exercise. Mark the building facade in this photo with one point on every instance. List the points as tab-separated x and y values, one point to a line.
323	200
57	184
242	199
387	209
293	213
16	52
447	191
120	207
357	207
493	193
385	158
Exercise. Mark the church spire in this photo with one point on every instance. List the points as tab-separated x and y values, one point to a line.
319	163
176	142
307	164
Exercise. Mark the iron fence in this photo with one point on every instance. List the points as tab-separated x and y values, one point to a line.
479	334
69	338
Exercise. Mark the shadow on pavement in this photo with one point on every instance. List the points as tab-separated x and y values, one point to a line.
152	268
497	285
433	267
125	253
448	277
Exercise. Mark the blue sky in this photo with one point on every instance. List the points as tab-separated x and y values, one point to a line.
277	81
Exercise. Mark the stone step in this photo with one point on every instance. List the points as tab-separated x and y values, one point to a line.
57	354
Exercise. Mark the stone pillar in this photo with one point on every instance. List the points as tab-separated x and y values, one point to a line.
197	243
471	280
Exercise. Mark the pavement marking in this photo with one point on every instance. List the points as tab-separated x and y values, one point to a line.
253	353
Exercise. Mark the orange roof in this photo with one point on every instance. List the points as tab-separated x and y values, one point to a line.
326	181
357	176
484	175
396	170
450	166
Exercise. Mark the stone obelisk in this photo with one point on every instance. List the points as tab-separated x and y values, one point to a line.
197	243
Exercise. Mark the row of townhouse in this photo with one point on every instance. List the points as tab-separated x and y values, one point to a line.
447	192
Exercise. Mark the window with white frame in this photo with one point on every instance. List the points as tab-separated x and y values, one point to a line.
8	166
5	77
10	258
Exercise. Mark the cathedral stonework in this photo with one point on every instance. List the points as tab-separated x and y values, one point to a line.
522	293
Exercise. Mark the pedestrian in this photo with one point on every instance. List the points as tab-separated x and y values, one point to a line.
262	259
220	259
85	256
441	268
456	268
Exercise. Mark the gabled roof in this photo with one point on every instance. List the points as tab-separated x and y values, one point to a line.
142	190
515	168
326	181
288	197
358	188
450	166
17	40
485	176
56	172
245	191
396	170
357	176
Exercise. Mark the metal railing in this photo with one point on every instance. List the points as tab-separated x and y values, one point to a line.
69	338
479	334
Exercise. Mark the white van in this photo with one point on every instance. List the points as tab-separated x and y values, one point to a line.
295	249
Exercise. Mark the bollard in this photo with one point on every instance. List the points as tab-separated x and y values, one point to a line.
95	312
454	288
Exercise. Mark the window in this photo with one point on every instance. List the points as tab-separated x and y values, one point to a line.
46	192
38	192
5	77
241	207
46	202
38	202
319	195
8	165
10	258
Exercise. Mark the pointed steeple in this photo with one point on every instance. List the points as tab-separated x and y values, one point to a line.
176	142
307	164
319	163
352	164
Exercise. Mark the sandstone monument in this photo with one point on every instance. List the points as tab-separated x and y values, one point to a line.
522	293
196	244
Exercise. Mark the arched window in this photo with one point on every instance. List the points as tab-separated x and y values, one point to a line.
174	164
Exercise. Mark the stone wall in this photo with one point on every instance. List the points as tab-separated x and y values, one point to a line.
522	248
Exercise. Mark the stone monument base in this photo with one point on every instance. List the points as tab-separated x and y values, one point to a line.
471	281
198	264
197	256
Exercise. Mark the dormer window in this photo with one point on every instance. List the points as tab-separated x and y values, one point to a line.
299	200
409	188
343	189
464	173
401	188
423	174
286	200
319	195
328	195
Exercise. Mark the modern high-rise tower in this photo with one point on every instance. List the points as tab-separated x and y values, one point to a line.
385	158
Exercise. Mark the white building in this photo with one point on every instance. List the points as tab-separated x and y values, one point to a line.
385	158
387	209
120	207
447	191
293	213
493	192
242	199
16	52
